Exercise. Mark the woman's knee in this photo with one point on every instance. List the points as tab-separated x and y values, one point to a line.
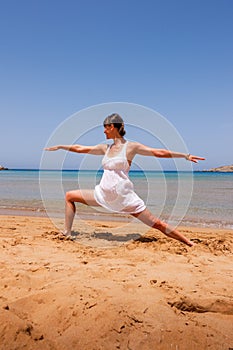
156	224
69	196
160	225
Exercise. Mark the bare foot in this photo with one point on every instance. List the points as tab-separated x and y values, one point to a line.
190	244
66	233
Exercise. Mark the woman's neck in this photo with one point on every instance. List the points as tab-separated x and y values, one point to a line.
118	140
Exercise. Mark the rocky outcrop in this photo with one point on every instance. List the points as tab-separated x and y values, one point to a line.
223	169
3	168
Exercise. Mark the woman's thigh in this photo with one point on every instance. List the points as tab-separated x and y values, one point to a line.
82	196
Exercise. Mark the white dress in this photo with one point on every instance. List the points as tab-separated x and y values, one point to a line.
115	191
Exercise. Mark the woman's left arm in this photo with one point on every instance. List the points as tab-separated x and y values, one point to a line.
163	153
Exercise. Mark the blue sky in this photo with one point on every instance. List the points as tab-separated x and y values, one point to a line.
59	57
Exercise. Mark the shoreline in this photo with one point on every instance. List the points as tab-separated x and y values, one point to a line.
146	292
105	216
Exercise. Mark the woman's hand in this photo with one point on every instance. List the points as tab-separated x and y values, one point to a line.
53	148
194	159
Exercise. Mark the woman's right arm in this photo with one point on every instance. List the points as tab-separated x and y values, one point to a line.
97	149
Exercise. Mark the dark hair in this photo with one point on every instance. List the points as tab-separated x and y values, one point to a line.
117	121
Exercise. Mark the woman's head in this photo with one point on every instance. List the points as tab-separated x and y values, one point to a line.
116	120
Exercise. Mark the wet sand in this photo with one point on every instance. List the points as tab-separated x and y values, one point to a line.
102	291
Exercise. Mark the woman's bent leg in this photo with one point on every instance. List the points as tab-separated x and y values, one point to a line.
149	219
80	196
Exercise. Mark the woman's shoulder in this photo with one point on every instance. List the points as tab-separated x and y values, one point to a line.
132	148
104	146
98	149
133	145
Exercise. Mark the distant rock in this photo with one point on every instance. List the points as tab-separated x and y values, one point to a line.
3	168
222	169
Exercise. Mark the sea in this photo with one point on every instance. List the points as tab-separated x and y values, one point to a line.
200	199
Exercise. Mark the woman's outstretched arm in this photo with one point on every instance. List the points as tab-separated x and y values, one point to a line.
97	150
163	153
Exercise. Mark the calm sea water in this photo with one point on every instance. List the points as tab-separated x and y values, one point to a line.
197	199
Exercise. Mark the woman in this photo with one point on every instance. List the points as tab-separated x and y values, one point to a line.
115	191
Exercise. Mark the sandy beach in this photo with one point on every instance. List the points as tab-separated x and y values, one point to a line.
143	293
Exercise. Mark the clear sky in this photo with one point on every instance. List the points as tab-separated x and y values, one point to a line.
61	56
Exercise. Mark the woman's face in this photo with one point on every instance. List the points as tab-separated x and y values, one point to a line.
109	131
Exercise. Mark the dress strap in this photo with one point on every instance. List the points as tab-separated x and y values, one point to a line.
124	148
107	150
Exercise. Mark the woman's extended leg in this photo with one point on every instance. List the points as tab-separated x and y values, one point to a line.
149	219
80	196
